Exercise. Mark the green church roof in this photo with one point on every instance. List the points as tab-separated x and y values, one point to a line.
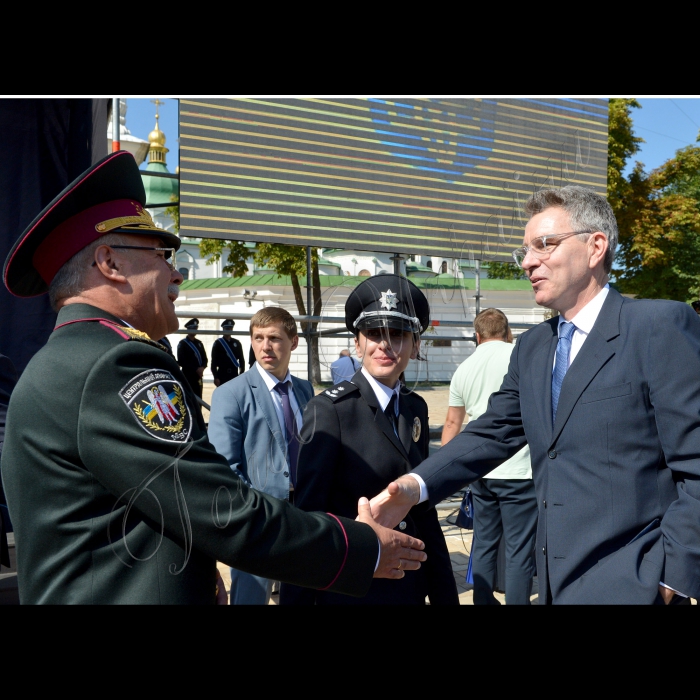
159	190
272	280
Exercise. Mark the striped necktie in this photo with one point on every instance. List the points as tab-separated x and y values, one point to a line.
290	428
566	330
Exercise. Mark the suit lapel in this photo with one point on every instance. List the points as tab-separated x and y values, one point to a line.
264	402
379	418
300	392
594	353
541	372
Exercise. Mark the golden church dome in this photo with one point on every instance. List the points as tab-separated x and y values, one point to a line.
156	137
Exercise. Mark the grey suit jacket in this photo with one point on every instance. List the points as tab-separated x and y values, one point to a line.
618	475
244	428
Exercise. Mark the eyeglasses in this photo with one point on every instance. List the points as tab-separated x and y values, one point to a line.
167	252
543	245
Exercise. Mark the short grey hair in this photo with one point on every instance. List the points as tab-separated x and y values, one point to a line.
71	279
587	210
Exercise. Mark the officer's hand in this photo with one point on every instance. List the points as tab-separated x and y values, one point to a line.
391	506
221	595
398	552
217	382
200	371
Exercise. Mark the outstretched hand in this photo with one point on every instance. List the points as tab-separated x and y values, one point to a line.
398	552
391	506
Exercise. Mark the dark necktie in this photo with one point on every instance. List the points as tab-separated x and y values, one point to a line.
290	428
390	413
566	330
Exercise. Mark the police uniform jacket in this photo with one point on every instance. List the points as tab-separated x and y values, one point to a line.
190	362
222	366
349	450
117	495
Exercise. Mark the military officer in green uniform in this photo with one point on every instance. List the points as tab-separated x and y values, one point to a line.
115	493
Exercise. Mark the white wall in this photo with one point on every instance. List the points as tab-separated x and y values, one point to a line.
441	363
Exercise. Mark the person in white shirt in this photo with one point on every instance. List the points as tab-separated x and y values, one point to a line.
505	502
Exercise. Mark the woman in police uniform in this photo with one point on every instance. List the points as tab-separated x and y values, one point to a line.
362	434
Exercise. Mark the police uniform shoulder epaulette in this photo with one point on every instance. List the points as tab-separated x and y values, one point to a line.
339	391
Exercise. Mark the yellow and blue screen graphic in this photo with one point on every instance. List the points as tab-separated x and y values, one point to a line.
424	176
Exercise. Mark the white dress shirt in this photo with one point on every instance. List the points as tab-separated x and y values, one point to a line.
383	392
584	321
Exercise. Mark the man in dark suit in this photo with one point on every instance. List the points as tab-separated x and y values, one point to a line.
607	397
368	430
227	355
115	493
192	357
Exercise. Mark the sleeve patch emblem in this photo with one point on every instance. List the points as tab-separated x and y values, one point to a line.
157	402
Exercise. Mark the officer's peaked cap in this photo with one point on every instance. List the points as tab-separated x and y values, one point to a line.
193	324
107	198
228	323
387	301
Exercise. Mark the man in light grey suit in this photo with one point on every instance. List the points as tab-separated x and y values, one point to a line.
607	397
255	421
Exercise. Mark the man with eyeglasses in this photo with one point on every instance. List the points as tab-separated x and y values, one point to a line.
606	396
115	493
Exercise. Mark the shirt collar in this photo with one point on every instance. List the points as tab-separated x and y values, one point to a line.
270	380
587	316
383	392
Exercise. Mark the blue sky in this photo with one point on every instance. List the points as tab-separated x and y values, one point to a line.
665	123
141	118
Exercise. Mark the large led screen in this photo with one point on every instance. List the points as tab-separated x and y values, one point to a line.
418	176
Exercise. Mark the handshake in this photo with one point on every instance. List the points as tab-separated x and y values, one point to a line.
397	552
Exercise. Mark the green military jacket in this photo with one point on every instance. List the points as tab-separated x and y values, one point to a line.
117	496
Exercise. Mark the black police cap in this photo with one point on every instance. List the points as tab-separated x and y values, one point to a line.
389	301
192	324
228	323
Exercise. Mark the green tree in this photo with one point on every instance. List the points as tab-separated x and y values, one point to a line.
660	249
505	271
284	260
622	145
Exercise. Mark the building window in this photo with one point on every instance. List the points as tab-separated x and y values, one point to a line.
185	272
429	264
441	343
443	267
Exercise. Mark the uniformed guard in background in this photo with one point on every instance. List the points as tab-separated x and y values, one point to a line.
369	429
227	359
115	493
192	357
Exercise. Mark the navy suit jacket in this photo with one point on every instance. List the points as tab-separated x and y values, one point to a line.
244	428
618	475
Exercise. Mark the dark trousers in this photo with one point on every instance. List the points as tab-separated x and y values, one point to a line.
508	508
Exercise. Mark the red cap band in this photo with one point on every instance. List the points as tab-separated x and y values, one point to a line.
79	231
